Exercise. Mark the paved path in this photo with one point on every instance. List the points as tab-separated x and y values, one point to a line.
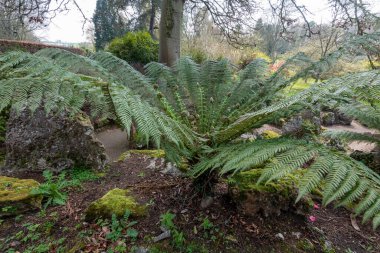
356	127
114	140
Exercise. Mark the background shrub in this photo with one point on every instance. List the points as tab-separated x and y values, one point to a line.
198	55
135	47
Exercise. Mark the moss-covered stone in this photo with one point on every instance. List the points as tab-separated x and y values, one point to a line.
268	199
16	197
269	134
154	153
116	201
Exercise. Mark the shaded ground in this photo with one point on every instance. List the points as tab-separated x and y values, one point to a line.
230	231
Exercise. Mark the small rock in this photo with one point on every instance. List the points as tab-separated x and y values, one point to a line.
171	169
14	244
152	164
280	236
206	202
297	234
142	250
328	246
162	236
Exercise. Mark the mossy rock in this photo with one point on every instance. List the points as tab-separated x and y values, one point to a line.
153	153
16	197
116	201
268	199
269	134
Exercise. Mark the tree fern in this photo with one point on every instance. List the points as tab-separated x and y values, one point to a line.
200	111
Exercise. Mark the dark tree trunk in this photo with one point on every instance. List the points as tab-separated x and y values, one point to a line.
170	31
152	18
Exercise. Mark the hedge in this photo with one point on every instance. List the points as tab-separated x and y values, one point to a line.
32	47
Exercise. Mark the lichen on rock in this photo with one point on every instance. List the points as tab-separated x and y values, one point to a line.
267	199
269	134
16	196
116	201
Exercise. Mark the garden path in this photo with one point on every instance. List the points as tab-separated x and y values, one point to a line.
115	142
356	127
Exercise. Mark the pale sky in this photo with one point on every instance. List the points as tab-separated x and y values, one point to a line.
67	27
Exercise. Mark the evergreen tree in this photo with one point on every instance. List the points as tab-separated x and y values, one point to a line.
108	23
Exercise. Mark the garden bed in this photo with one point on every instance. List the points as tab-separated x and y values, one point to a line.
218	228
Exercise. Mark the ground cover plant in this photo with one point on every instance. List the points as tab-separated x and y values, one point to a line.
198	112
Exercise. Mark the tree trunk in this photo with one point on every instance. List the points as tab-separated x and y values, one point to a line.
152	18
170	31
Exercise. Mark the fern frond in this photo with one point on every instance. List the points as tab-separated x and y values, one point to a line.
363	113
124	74
352	136
257	118
344	180
58	89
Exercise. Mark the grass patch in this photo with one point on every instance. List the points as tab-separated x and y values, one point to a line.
298	86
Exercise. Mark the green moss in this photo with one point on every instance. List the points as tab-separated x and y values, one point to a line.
101	174
306	245
16	197
154	153
248	181
83	119
269	134
116	201
184	166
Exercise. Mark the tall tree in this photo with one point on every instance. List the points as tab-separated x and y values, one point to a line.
233	18
108	23
170	30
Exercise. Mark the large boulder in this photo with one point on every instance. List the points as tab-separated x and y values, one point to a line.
36	142
16	196
328	118
300	125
